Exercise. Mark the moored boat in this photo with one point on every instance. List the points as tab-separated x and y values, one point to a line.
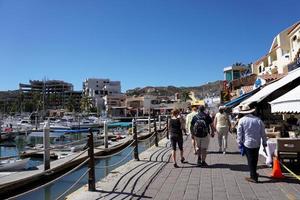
13	164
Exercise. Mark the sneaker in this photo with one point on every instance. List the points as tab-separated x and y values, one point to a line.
224	152
251	180
183	160
204	164
175	165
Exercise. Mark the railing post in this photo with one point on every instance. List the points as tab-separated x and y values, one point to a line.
105	129
46	141
159	122
167	127
155	132
149	124
91	163
135	138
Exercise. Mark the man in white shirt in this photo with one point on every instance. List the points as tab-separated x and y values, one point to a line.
188	121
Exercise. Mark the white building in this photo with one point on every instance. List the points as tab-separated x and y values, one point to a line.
285	47
105	93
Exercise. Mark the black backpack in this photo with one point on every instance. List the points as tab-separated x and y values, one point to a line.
200	128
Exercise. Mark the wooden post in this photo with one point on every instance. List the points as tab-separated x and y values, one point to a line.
167	127
105	134
149	124
135	138
155	132
91	163
159	122
46	141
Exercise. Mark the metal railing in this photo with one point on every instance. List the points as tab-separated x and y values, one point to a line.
153	137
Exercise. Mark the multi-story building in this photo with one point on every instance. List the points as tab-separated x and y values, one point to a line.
50	94
294	38
284	50
105	93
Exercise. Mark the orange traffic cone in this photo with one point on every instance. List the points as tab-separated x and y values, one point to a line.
276	173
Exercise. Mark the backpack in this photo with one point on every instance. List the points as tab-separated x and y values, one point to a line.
200	128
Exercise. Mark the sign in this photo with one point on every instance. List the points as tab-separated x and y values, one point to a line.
225	96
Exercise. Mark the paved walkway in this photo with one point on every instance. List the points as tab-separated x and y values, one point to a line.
154	177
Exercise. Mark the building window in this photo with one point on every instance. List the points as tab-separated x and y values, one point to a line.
294	38
96	92
259	69
96	85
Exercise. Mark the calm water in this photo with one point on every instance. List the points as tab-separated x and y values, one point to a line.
56	189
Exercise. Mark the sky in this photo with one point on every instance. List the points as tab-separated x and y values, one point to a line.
138	42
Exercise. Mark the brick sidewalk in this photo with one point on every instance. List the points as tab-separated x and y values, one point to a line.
155	178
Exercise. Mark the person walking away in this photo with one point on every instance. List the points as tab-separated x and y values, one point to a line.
200	127
222	125
175	128
250	132
189	118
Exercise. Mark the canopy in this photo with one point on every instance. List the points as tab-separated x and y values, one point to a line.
236	101
287	103
269	89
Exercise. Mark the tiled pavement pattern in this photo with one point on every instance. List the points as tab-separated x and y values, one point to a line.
224	178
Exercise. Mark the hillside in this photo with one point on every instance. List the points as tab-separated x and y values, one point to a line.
209	89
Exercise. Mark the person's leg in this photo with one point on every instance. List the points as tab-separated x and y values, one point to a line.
180	146
225	137
220	136
194	145
173	143
198	144
251	162
255	160
204	145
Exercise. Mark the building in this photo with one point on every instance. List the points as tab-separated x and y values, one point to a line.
105	93
234	72
49	94
284	50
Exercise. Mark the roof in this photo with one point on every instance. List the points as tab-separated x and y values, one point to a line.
271	77
287	103
269	89
236	101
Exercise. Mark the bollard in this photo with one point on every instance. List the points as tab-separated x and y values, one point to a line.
149	124
105	134
159	122
46	141
155	132
167	127
91	163
135	138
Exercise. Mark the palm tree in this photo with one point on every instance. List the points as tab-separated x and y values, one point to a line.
185	95
86	103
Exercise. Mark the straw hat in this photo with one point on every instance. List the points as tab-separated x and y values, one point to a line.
245	109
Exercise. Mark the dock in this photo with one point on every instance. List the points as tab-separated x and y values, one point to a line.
154	177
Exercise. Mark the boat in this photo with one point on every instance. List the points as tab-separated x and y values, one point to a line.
13	164
7	136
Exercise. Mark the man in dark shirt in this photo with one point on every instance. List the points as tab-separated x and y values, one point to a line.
202	141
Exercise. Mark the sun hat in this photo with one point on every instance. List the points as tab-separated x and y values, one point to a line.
222	107
245	109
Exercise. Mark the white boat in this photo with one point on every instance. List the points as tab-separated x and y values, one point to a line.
13	164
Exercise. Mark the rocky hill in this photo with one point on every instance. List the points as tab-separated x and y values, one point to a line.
209	89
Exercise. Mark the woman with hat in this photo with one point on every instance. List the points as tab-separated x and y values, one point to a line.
222	125
250	132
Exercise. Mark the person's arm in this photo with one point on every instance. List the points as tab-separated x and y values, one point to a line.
215	123
240	134
263	134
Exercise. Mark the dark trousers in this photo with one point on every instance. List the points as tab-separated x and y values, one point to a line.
252	157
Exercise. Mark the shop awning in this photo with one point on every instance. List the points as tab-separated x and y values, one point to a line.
287	103
241	98
269	89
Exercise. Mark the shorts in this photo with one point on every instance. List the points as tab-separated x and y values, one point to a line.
202	143
177	140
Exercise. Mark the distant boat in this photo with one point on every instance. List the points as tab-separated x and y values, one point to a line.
13	165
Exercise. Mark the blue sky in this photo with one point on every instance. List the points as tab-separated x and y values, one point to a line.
139	42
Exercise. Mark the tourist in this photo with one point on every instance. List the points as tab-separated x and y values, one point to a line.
189	118
175	129
250	132
200	127
222	125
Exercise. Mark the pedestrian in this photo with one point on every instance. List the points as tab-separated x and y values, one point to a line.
189	118
222	126
175	130
250	132
201	127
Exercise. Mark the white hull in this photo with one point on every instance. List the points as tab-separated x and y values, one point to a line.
14	165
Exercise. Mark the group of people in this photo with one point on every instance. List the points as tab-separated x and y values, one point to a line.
201	126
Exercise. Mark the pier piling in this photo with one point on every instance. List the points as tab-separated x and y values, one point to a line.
135	138
105	127
155	132
91	163
167	127
46	141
